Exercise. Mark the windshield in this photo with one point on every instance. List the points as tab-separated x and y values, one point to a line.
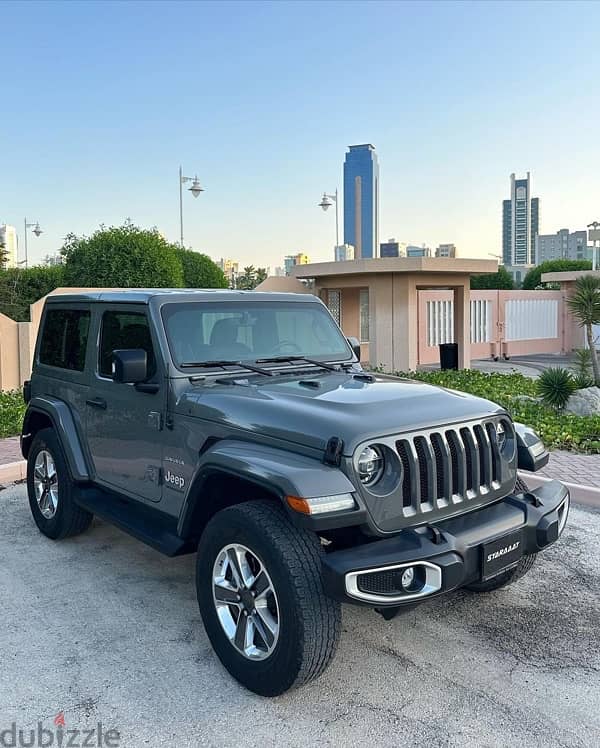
250	331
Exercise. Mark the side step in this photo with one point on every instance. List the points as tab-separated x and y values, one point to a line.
143	522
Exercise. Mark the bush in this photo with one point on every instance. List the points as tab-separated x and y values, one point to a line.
122	256
533	279
557	430
21	287
500	280
199	271
556	385
12	410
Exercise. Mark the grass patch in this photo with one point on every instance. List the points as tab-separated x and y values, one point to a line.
557	430
12	410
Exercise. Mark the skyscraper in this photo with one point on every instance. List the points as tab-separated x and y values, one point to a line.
361	200
520	223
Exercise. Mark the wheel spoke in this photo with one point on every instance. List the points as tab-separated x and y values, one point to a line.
45	458
45	500
262	627
38	473
261	585
236	571
52	501
225	594
241	632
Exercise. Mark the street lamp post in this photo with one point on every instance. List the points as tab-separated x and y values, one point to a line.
36	230
195	189
326	202
594	235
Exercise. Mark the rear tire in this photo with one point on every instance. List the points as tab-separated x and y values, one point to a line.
510	576
51	489
304	622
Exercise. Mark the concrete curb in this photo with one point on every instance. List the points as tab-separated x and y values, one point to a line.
13	471
585	495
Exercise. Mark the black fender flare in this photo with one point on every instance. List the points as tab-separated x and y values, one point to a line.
64	424
276	470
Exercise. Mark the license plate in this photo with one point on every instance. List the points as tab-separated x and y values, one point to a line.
499	554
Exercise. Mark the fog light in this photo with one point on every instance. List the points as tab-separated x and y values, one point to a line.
408	578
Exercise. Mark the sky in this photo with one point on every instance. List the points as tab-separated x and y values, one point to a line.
102	101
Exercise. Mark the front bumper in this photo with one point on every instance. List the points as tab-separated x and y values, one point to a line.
448	554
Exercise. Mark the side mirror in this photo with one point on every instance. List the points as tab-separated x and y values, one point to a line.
355	345
130	365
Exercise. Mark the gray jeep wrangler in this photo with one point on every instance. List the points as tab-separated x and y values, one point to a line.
241	426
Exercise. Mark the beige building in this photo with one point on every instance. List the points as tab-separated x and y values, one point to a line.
376	301
445	250
8	237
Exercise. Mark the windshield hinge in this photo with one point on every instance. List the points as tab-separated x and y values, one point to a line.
334	451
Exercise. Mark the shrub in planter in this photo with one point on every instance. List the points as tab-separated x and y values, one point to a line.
555	386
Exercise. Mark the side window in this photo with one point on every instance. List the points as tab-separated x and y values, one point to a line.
64	338
124	330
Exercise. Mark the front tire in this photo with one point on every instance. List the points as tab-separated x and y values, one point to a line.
51	489
261	598
510	576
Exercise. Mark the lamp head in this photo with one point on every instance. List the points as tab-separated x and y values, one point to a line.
326	202
196	187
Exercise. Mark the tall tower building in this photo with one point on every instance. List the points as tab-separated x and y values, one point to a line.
361	200
8	237
520	223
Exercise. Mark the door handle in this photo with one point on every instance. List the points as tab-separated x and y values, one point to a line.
97	402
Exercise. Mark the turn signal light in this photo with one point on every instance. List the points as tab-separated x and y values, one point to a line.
321	504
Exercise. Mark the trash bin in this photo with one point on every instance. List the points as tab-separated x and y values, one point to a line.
448	355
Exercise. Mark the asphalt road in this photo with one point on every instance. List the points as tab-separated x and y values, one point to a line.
107	630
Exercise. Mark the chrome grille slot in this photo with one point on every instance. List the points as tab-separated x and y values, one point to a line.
442	468
491	432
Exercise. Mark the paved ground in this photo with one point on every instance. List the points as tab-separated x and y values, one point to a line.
10	450
108	630
571	467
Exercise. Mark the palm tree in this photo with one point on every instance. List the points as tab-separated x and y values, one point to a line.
585	305
246	280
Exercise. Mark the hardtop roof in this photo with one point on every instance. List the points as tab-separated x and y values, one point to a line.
144	295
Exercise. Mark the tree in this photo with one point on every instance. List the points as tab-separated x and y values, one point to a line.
585	305
122	256
533	279
500	280
251	278
199	271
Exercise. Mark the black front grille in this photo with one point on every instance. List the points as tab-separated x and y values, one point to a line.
381	582
449	466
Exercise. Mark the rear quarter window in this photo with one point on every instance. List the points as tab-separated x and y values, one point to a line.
64	338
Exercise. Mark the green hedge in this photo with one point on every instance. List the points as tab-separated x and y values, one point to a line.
557	430
12	409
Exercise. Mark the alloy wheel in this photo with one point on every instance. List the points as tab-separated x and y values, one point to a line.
245	601
45	481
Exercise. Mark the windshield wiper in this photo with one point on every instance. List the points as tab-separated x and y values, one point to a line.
223	364
291	359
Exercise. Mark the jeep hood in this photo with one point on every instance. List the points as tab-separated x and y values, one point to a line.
310	409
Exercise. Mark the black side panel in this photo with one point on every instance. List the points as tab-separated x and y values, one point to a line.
142	522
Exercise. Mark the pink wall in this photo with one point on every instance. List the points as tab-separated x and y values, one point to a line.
511	323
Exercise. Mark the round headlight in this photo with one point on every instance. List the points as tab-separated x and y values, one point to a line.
505	439
370	465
